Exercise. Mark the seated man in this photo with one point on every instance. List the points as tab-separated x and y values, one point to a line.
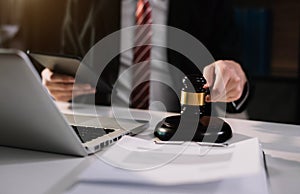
209	21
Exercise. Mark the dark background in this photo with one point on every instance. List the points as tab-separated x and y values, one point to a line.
277	92
270	43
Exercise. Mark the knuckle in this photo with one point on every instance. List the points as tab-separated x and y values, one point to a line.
237	93
239	90
46	83
52	76
216	92
67	86
45	72
237	79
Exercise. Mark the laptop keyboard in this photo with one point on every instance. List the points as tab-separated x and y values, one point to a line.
89	133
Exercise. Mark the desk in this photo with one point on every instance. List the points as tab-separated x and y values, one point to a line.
24	171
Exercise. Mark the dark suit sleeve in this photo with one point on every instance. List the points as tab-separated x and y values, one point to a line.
212	23
226	46
231	47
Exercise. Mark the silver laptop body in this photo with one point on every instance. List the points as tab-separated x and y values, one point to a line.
30	119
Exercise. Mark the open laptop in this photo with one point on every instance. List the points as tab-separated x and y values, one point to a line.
30	119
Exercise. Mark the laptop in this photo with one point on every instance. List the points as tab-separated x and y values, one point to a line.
30	119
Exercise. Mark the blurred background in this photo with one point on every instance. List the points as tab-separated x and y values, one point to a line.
269	45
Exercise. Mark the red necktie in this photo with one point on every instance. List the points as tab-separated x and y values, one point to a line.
141	56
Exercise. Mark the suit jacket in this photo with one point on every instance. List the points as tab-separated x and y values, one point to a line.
209	21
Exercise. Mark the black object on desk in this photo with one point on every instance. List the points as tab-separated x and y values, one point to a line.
195	122
69	65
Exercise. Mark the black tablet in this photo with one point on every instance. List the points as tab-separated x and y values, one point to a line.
69	65
57	63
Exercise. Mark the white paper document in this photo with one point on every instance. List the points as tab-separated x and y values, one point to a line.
142	161
135	165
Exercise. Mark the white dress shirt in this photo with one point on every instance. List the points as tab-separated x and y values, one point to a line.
159	16
158	69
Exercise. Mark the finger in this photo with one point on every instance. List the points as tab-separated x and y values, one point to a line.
221	75
229	82
59	86
234	92
60	78
67	96
216	97
67	86
236	83
82	87
209	75
61	96
83	92
208	98
48	75
218	90
232	96
231	92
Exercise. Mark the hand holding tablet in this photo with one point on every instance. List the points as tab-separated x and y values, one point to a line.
59	76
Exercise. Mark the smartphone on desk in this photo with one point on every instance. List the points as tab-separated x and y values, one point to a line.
68	65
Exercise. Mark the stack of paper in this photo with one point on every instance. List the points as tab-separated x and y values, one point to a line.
134	164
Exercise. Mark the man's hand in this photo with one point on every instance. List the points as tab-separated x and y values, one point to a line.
226	80
62	87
